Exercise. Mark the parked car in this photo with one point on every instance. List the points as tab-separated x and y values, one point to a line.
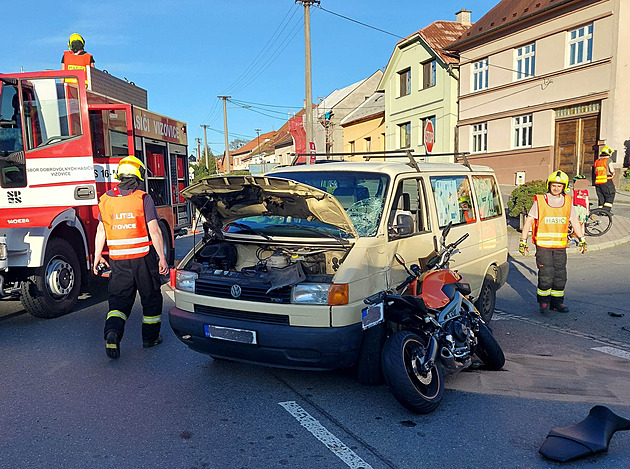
287	258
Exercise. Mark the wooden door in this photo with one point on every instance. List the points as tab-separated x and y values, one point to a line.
590	134
566	146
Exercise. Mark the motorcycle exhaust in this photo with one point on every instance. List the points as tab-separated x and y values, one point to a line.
432	352
447	359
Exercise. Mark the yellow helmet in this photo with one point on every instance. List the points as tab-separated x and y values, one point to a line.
559	177
463	199
75	37
131	166
606	151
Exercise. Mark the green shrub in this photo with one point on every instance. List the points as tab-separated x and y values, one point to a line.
522	198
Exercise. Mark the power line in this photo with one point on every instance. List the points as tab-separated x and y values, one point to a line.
359	22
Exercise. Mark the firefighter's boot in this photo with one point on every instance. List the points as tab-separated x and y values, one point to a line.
112	345
152	343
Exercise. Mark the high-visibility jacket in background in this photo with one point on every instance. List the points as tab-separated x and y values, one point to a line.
72	61
601	171
125	225
551	227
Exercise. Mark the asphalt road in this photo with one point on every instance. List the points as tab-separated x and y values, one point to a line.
64	404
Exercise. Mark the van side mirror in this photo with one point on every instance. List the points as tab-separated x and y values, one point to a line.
404	224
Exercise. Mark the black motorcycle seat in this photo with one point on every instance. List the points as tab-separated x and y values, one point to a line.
591	435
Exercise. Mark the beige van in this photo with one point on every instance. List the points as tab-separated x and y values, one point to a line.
287	259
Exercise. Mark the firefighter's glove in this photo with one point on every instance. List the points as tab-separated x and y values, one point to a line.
582	245
522	247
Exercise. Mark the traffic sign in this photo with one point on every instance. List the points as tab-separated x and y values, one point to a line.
429	136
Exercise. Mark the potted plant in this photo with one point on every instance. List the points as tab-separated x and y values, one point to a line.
522	198
624	181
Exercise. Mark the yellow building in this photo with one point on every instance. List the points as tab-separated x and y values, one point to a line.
364	128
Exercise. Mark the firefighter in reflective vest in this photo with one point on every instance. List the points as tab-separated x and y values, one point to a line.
128	222
467	210
75	58
603	173
550	216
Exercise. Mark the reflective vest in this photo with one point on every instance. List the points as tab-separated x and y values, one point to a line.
601	171
72	61
552	225
125	225
468	219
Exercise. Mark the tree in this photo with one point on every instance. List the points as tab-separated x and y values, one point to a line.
237	143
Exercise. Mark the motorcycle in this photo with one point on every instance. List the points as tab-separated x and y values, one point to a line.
432	328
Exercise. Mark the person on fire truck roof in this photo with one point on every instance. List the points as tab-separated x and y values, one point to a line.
550	216
128	221
75	58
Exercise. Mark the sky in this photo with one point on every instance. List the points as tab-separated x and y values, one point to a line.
185	53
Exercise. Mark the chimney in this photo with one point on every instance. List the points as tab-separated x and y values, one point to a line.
463	17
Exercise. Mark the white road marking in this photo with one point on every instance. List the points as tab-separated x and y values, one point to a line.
329	440
613	351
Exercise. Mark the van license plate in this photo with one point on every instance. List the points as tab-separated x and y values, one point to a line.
232	334
372	315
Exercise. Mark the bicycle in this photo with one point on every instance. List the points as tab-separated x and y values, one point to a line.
598	222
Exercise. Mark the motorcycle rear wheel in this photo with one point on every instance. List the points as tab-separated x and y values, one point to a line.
488	349
420	394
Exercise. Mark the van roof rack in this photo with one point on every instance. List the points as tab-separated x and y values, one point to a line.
402	153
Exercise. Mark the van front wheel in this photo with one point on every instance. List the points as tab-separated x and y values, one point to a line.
487	298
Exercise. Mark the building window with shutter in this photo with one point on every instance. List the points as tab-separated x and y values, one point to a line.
405	82
405	135
429	73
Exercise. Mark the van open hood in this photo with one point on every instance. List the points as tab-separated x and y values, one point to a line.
223	199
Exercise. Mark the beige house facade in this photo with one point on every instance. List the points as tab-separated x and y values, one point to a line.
364	128
421	89
543	88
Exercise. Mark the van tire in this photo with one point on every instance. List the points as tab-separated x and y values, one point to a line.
53	290
369	370
486	302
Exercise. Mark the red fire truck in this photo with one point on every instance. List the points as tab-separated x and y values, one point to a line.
60	145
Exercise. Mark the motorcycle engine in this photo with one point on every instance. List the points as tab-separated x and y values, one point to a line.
461	338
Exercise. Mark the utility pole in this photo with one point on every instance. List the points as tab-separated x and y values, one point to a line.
308	106
198	150
258	144
205	144
227	145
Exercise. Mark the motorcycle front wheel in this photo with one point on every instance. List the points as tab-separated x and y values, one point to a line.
403	354
488	349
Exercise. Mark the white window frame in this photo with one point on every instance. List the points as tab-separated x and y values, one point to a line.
525	61
480	74
523	130
479	137
580	45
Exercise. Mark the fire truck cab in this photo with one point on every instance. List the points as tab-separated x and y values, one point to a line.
62	134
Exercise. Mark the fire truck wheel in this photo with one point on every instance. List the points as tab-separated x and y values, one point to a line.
167	241
54	289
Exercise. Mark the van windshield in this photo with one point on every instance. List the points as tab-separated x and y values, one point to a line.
361	194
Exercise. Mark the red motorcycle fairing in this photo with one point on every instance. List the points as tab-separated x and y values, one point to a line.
432	285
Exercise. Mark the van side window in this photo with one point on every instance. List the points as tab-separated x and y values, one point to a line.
409	203
453	200
488	197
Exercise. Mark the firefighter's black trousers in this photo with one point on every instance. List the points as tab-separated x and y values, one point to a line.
605	194
552	275
129	276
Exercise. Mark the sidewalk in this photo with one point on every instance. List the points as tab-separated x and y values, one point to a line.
619	232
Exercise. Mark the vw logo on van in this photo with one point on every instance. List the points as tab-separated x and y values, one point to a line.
236	290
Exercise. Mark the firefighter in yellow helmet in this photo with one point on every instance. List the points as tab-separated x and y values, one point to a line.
549	216
603	173
128	221
75	58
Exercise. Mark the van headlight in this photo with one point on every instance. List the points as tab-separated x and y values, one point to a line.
310	293
185	280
